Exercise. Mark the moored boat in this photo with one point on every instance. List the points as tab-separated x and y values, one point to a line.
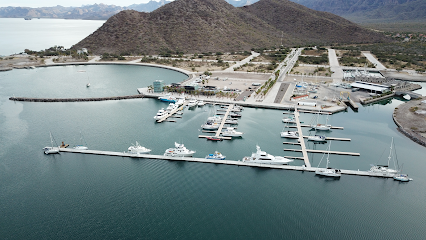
290	134
230	132
216	155
179	151
51	149
138	149
264	158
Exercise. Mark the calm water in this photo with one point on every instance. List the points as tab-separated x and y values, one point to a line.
73	196
18	34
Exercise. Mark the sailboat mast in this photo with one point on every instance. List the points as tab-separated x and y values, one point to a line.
390	152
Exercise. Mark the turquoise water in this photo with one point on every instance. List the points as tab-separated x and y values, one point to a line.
18	34
75	196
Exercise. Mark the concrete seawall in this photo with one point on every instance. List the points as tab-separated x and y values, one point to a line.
24	99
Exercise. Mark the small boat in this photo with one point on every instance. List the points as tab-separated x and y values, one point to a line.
264	158
290	134
210	126
231	121
171	107
213	138
179	151
230	132
407	97
317	138
160	114
234	115
216	155
313	90
138	149
402	177
51	149
201	103
88	85
81	146
327	171
289	120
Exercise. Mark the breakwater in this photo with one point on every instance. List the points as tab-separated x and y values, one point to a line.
24	99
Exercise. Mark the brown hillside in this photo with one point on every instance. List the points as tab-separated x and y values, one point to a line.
214	25
310	25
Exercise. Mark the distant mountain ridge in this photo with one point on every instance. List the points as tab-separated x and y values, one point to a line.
217	26
354	10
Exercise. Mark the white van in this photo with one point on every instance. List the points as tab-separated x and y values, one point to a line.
312	104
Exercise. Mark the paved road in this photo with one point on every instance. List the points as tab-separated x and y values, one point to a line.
337	71
373	60
242	62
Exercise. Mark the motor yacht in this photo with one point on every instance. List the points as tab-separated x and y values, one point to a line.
216	155
201	103
230	132
138	149
192	103
402	177
160	114
289	120
290	134
317	138
264	158
179	151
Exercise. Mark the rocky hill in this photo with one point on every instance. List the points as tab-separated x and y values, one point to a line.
215	25
371	10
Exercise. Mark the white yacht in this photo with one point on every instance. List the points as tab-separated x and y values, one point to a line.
289	120
262	157
385	168
232	121
290	134
230	132
138	149
160	114
210	126
51	149
328	172
321	127
192	103
179	151
216	155
402	177
171	107
317	138
201	103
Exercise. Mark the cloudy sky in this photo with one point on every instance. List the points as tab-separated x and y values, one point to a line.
67	3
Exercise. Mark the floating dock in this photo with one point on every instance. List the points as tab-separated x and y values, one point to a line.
228	162
333	138
306	125
219	130
323	151
172	112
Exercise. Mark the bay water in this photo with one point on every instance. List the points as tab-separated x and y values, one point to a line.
18	34
77	196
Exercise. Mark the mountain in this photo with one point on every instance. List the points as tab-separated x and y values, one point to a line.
148	7
96	11
215	25
371	10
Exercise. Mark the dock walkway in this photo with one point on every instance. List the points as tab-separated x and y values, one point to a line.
172	112
228	162
301	141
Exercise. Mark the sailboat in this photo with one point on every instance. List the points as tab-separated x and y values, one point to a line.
385	168
81	146
321	127
328	172
52	149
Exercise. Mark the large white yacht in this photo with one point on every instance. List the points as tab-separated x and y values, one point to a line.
138	149
179	151
210	126
230	132
262	157
160	114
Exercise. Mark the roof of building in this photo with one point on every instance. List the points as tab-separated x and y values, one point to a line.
370	86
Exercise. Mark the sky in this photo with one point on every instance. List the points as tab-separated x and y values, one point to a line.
67	3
